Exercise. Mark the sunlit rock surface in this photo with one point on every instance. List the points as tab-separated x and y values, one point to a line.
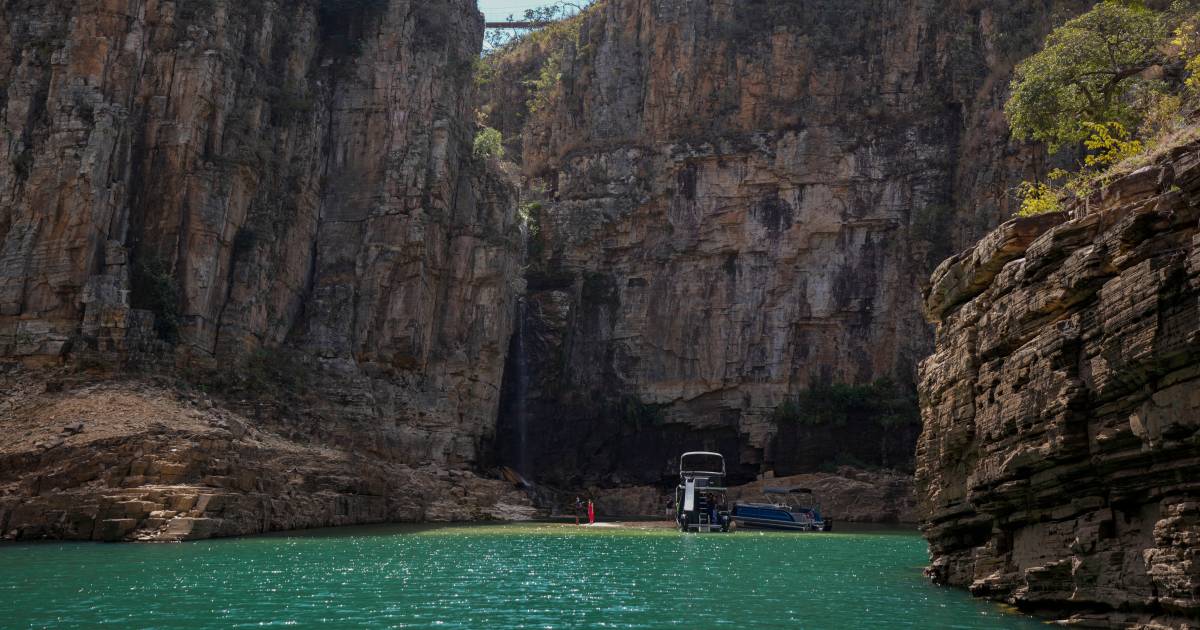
218	187
1058	465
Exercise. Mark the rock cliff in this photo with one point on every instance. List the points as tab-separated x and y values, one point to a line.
223	188
732	201
154	459
1061	408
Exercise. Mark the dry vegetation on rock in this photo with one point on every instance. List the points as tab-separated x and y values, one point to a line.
1057	468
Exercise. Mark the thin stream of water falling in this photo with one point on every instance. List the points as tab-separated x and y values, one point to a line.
522	410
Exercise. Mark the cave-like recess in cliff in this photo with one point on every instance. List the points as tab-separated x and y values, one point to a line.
730	205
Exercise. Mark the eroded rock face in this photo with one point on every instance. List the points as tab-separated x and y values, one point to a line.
151	460
250	175
211	185
848	495
1057	468
744	198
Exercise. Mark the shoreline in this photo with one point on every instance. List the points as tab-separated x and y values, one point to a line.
391	528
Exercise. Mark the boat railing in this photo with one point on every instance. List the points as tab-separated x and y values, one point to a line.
701	473
792	498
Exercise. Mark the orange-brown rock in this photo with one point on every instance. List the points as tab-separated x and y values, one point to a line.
214	185
154	460
848	495
1057	467
742	198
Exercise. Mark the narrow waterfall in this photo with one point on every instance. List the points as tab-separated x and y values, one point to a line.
522	391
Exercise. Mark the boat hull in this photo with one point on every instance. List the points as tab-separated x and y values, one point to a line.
759	516
792	526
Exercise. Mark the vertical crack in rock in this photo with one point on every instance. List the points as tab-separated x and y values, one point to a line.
247	194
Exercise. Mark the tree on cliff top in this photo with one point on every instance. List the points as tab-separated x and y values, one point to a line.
1096	68
1119	83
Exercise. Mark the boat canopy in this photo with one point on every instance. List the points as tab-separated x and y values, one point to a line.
702	462
787	491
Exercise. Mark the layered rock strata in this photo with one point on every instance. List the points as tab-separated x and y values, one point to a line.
155	460
734	200
1058	465
216	186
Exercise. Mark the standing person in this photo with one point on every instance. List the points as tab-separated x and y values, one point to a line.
591	512
578	509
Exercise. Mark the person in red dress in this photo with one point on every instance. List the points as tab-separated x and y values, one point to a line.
591	512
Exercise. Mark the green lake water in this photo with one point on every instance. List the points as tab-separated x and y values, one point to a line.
506	576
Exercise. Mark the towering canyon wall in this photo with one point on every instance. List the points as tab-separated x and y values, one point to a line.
1057	467
742	199
287	185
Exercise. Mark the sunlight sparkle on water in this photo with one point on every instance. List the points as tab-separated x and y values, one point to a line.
508	576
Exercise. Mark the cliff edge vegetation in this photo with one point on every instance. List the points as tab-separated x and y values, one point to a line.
731	208
1109	92
1057	466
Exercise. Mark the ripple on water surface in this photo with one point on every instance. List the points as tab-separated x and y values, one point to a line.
530	576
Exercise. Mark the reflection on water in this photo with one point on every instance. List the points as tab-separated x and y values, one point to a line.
510	576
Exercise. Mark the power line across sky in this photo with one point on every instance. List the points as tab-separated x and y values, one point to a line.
499	10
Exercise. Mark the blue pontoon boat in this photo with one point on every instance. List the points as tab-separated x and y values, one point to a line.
793	509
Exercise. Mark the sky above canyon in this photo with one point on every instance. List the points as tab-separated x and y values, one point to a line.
499	10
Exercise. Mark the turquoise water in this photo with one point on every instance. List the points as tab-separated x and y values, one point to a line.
509	576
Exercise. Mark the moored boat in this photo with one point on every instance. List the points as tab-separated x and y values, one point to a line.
792	509
700	504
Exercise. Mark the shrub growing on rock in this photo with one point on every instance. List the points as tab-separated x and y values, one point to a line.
884	401
489	143
154	288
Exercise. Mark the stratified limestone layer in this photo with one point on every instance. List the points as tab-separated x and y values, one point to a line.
1059	467
141	459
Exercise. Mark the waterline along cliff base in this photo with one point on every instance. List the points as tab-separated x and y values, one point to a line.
1057	468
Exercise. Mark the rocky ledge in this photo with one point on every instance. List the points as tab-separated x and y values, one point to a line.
846	495
849	495
1057	469
139	458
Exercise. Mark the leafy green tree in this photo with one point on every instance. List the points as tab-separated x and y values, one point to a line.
489	143
1093	69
